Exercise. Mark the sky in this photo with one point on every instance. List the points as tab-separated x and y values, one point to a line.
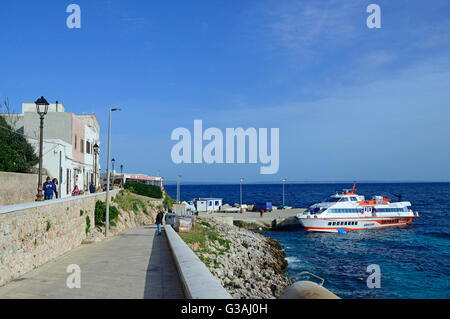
351	103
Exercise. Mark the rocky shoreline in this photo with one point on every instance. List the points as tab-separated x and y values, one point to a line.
249	265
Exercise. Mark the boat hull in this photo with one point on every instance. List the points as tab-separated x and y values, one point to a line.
334	225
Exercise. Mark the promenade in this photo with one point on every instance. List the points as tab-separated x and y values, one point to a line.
136	264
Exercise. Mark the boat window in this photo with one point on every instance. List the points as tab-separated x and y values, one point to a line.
353	199
344	199
331	200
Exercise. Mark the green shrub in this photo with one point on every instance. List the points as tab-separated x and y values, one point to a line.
88	224
16	154
81	212
49	225
168	202
100	214
144	189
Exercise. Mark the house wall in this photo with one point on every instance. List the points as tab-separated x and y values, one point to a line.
17	188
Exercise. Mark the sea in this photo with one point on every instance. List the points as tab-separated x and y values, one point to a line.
413	261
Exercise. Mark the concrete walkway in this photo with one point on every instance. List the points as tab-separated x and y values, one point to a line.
135	264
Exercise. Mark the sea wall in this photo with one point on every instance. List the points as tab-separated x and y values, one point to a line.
16	188
32	234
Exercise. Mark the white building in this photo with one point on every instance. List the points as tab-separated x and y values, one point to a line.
69	138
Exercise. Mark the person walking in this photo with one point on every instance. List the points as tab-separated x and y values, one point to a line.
92	188
49	188
159	220
55	182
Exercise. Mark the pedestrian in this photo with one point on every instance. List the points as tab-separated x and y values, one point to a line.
92	188
55	182
75	191
49	188
159	220
262	212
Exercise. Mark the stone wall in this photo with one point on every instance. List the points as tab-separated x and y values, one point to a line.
32	234
16	188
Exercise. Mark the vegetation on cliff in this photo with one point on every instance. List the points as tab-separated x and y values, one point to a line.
144	189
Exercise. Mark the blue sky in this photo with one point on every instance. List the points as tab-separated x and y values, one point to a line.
351	103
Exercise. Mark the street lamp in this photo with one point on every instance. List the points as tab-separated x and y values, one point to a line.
113	161
96	152
121	176
178	189
108	173
240	207
284	181
42	109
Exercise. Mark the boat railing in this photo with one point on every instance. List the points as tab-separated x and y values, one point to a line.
307	273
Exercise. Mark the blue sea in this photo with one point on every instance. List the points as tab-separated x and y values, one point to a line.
414	260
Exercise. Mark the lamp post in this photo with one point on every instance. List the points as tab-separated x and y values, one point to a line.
240	206
96	152
42	109
121	176
284	181
113	161
178	189
108	174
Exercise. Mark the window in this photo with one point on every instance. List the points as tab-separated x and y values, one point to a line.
334	223
88	147
353	199
329	223
344	199
76	141
81	146
217	203
331	200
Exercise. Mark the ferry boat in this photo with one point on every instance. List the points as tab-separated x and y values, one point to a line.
348	211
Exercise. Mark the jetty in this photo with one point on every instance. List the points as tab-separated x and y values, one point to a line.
275	220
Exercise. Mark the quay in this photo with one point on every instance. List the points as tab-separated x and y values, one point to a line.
274	220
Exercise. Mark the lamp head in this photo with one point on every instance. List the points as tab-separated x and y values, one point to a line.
41	106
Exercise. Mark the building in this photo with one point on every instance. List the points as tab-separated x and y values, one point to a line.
121	179
69	138
208	204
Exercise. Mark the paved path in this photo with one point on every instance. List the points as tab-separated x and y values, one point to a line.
136	264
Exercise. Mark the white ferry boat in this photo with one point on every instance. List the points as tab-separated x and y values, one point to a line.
349	211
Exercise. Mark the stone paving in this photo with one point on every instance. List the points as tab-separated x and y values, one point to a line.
136	264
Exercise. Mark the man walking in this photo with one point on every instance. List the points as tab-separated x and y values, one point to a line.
159	220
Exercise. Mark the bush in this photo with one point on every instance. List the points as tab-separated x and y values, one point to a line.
144	189
88	224
168	202
100	214
16	154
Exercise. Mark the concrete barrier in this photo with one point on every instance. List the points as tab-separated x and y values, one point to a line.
307	290
198	282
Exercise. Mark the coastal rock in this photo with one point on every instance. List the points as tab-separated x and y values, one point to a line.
249	265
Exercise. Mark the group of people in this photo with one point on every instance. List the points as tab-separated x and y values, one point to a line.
50	188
